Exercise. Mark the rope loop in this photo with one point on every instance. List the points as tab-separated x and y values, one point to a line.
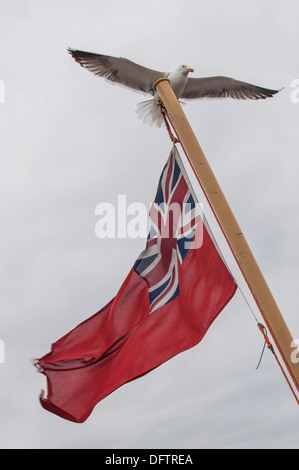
267	342
163	111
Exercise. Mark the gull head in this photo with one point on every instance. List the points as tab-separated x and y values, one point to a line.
185	69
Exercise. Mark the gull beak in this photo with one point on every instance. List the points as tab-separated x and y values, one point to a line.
190	69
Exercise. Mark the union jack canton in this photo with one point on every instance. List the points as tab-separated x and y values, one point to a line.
175	228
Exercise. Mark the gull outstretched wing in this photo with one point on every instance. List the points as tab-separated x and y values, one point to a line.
118	70
224	87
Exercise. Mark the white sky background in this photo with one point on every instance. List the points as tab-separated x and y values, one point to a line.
69	140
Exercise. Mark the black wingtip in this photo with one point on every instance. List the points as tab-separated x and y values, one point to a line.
268	93
274	92
75	54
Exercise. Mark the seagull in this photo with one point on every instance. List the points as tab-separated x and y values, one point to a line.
124	72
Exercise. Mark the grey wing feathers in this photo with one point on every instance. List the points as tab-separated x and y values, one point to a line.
118	70
224	87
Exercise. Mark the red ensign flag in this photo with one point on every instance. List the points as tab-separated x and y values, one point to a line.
175	290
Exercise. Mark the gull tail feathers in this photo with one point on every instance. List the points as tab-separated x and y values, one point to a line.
149	113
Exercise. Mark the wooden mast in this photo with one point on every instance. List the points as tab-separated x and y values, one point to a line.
232	232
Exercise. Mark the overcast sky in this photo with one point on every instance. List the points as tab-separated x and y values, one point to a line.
69	141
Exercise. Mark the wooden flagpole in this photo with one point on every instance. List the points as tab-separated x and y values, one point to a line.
232	232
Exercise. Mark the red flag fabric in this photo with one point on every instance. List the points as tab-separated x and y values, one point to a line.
175	290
